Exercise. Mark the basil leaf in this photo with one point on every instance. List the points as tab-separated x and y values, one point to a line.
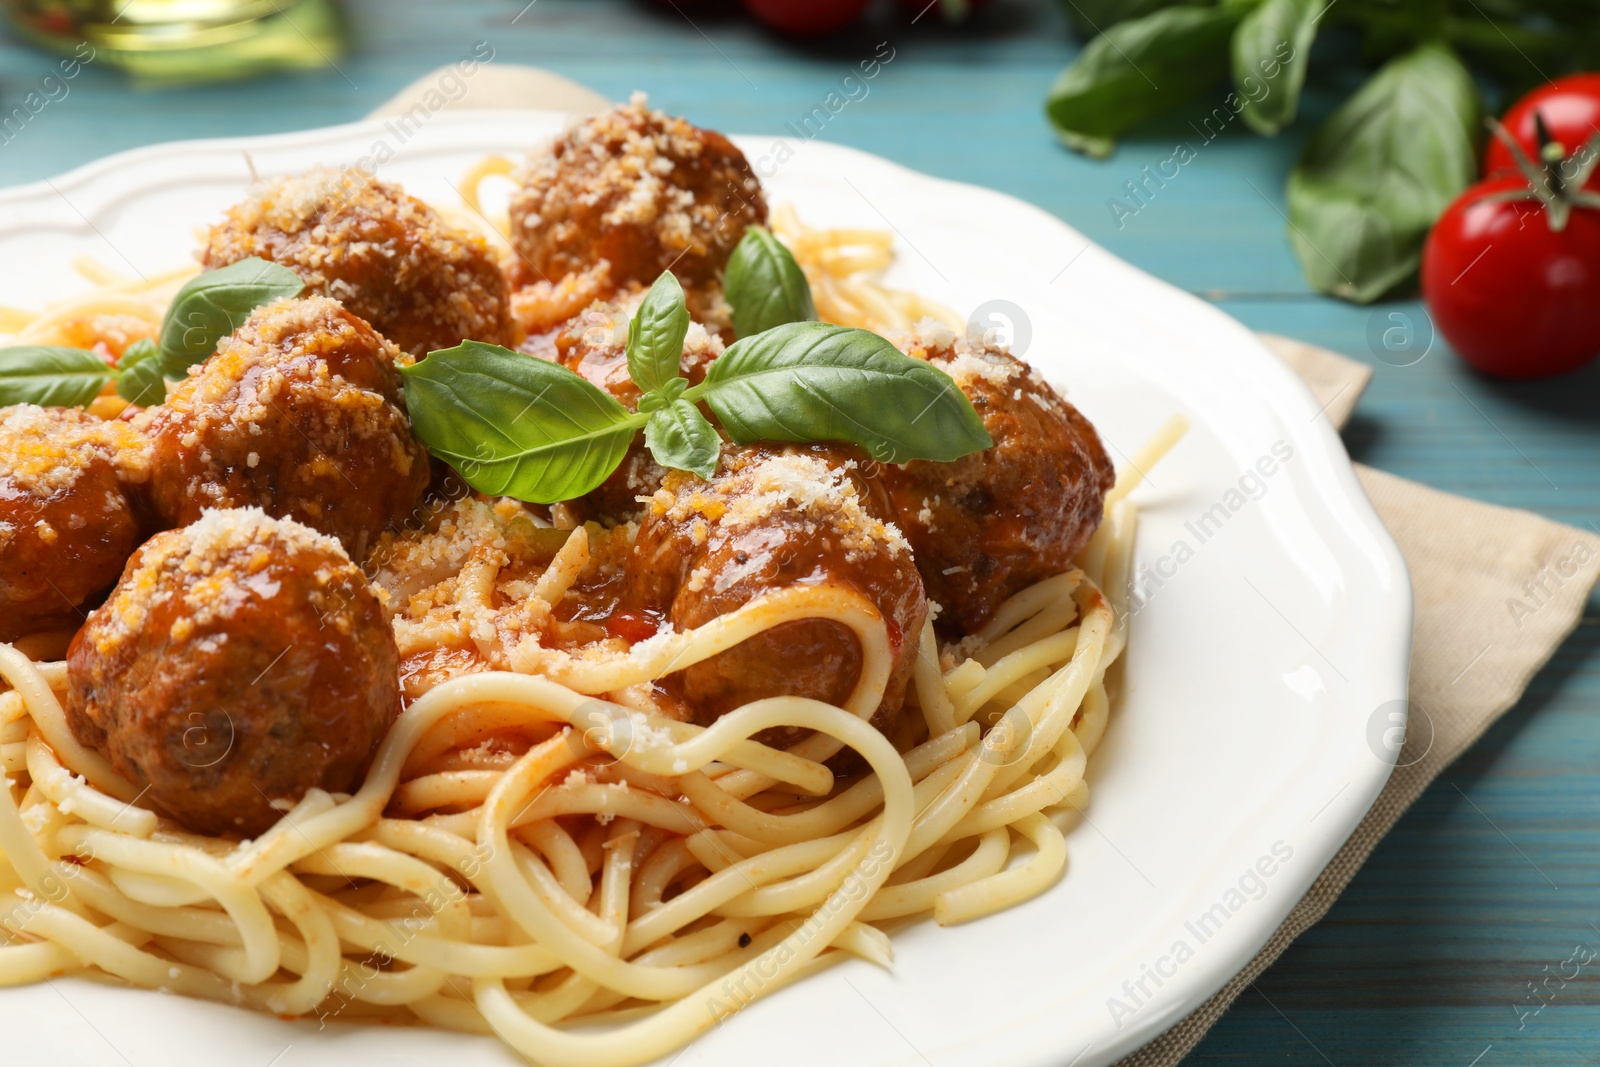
1375	175
515	425
51	376
1136	70
1271	49
811	381
663	395
139	379
138	352
765	287
678	436
656	333
216	303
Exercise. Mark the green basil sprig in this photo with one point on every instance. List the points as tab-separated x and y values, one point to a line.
1271	51
812	381
51	376
1136	70
765	286
655	336
139	379
676	434
1380	170
679	436
214	304
206	309
514	425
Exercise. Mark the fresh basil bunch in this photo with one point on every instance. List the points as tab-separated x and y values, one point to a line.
1375	176
514	425
206	309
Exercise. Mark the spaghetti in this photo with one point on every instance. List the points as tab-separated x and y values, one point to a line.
637	875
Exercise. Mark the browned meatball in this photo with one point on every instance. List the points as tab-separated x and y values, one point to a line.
241	661
66	523
386	256
300	413
622	197
987	525
774	517
594	344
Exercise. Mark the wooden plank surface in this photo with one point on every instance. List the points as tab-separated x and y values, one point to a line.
1495	876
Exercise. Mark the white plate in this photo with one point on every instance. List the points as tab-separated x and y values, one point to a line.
1260	675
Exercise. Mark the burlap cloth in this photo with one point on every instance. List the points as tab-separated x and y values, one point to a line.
1471	656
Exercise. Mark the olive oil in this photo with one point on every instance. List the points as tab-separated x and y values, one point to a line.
186	40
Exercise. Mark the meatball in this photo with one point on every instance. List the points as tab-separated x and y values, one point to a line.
386	256
624	196
989	524
300	413
594	345
241	661
67	524
774	517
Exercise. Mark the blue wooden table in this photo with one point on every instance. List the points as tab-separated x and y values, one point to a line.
1438	943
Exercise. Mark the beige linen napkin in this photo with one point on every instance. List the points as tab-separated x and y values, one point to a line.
1496	590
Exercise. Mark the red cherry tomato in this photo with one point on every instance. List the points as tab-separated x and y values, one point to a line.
806	18
1570	108
1513	297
